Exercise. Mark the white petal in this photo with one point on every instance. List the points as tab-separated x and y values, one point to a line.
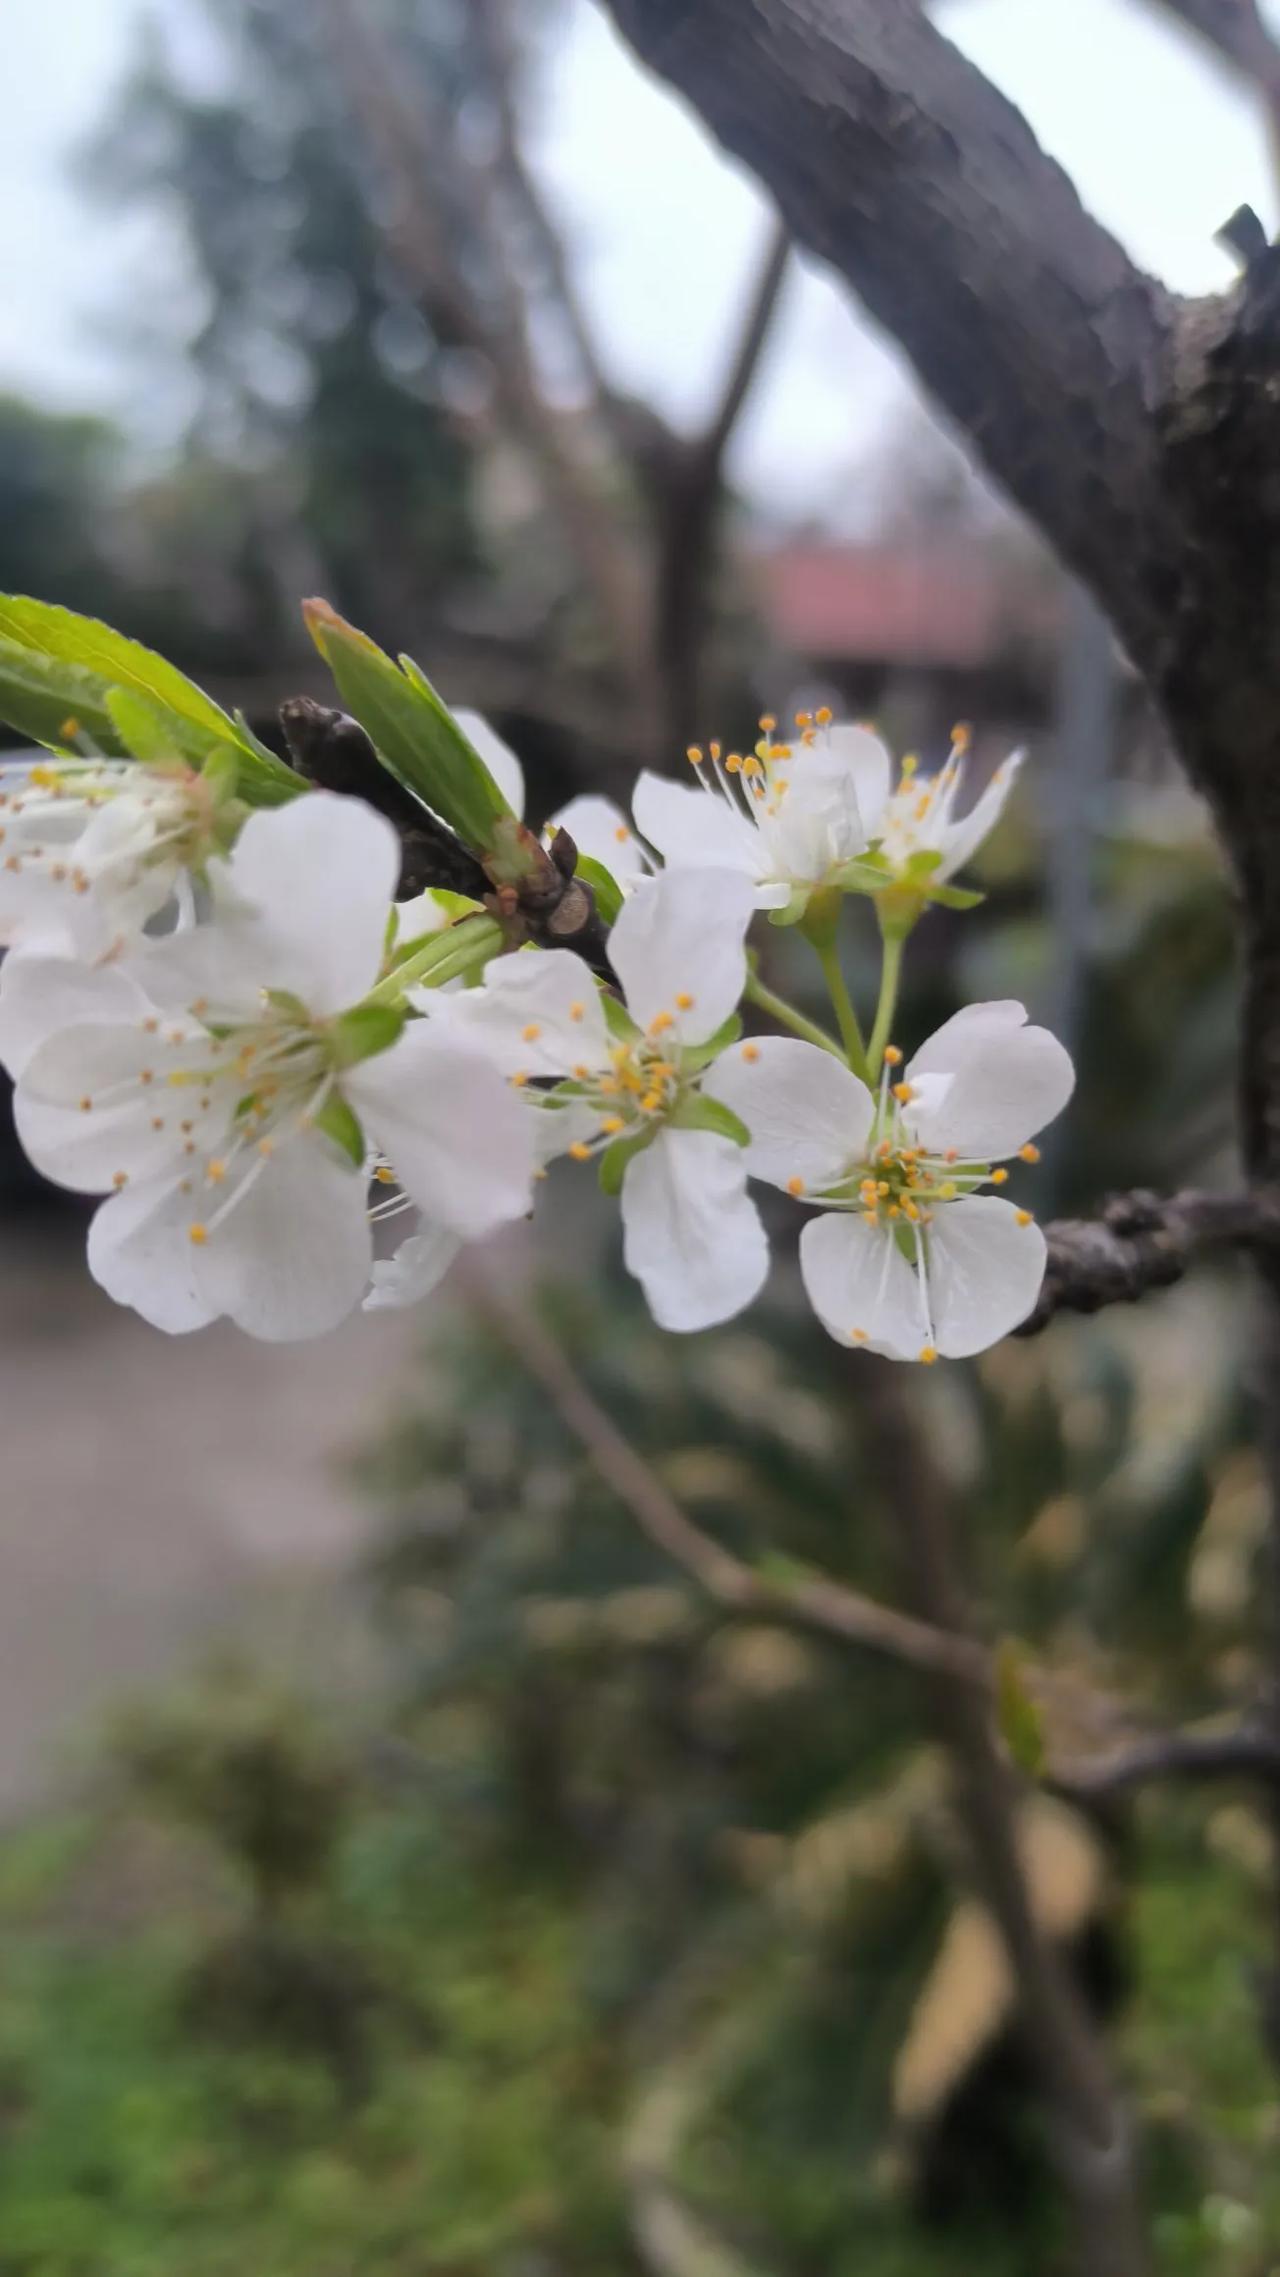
141	1253
867	763
537	1012
600	830
1006	1082
40	994
861	1286
416	1268
808	1115
683	934
292	1258
498	757
984	1271
691	825
961	839
426	913
692	1236
817	824
459	1139
90	1147
322	873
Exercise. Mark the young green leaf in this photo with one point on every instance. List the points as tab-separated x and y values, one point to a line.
616	1158
337	1122
416	736
55	703
366	1030
698	1113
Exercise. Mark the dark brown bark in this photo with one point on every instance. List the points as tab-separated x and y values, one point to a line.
1143	1241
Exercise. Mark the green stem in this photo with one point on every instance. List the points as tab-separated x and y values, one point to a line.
850	1031
462	948
890	976
787	1016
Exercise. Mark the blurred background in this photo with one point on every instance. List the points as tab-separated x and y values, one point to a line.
401	1869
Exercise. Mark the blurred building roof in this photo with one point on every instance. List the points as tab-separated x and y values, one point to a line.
939	603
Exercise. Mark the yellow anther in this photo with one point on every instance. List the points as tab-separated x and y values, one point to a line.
882	1188
695	755
611	1126
795	1185
893	1211
384	1174
580	1151
651	1102
69	729
198	1234
870	1218
804	719
531	1034
911	1209
909	766
714	749
750	1052
266	1146
780	751
892	1056
768	722
216	1172
582	1071
752	767
824	715
200	1007
660	1022
85	1105
577	1011
147	1075
952	1154
998	1177
12	863
1025	1217
735	764
622	833
684	1002
948	1192
157	1122
961	737
926	1355
1029	1153
519	1079
857	1336
903	1092
120	1178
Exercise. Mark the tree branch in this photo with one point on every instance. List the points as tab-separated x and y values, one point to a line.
828	1607
1244	1751
890	156
1145	1241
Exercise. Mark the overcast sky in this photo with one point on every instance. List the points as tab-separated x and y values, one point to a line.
1161	145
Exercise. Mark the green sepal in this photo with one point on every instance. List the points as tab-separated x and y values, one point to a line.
869	873
76	662
905	1239
696	1056
1018	1718
221	772
795	910
698	1113
337	1122
293	1008
149	731
616	1159
954	896
364	1031
605	887
921	864
460	951
617	1019
415	735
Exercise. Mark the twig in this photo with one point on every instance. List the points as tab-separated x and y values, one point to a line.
1090	2138
1145	1241
828	1607
1243	1751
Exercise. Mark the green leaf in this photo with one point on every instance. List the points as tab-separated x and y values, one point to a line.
51	702
605	887
365	1030
1018	1718
415	734
615	1160
953	896
698	1113
337	1122
79	661
146	729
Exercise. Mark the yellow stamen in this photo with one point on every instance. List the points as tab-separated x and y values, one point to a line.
198	1234
1025	1217
892	1056
216	1172
750	1052
580	1151
795	1185
695	755
684	1002
998	1177
903	1092
1029	1153
119	1179
611	1126
824	715
961	736
926	1355
622	833
531	1034
857	1336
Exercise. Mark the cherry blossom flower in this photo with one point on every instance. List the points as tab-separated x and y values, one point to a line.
789	816
911	1257
92	849
228	1089
628	1091
915	817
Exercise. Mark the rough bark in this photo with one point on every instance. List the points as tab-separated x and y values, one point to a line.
1143	1241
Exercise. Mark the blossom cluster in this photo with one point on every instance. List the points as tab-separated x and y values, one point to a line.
298	1096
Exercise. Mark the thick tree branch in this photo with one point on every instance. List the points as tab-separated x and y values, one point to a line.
1244	1751
1145	1241
890	156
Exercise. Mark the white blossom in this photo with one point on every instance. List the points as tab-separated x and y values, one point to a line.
916	815
910	1256
92	849
789	816
227	1089
692	1236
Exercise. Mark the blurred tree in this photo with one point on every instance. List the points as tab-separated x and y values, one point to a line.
56	477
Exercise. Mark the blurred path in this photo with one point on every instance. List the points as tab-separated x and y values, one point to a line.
156	1492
